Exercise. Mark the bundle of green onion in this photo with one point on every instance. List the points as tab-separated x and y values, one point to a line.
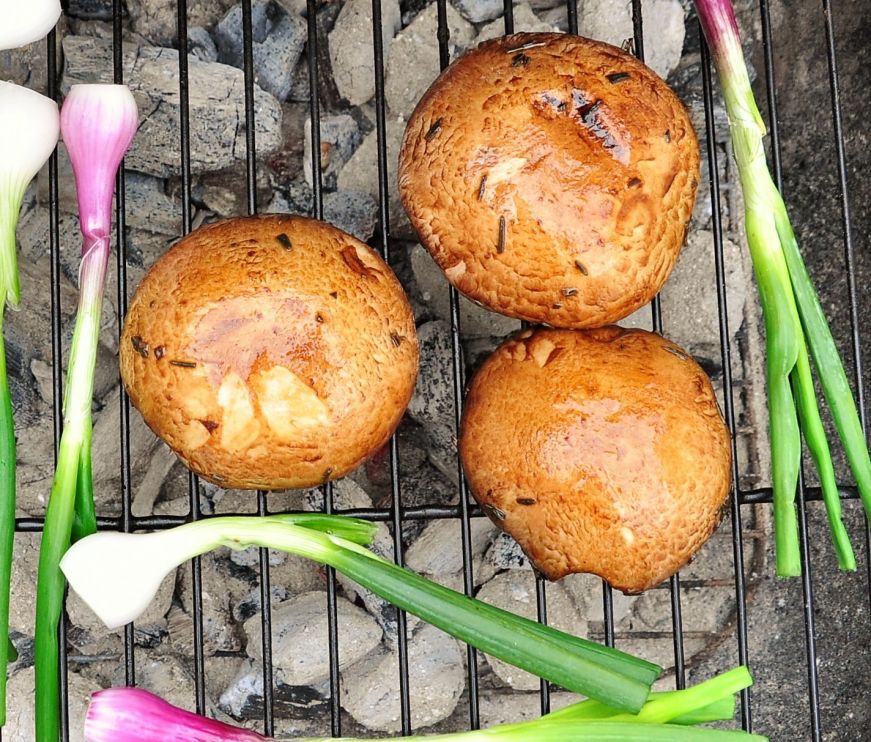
118	574
795	324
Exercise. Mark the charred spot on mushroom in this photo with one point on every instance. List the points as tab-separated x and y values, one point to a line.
434	129
591	117
668	136
334	294
553	101
526	501
493	512
396	339
159	352
482	187
284	241
503	227
209	425
182	364
557	305
328	472
319	318
139	345
634	183
520	60
581	267
616	77
570	292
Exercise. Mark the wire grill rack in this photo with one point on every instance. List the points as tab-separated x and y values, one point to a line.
396	513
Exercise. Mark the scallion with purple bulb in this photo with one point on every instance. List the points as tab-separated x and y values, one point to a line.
98	123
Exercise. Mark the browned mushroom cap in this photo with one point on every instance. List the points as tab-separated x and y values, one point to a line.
551	177
599	451
270	352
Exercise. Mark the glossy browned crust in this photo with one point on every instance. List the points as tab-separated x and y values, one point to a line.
599	451
270	352
551	177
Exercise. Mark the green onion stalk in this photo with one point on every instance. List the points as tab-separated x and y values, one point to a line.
796	329
135	715
29	129
98	123
118	574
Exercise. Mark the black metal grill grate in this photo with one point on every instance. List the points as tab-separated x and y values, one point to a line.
396	513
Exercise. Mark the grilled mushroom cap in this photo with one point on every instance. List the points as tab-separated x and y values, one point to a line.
270	352
551	177
599	451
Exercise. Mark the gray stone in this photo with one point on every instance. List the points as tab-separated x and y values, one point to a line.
370	691
355	213
167	676
475	320
340	136
149	207
28	65
692	283
557	17
90	10
225	192
224	585
360	174
250	557
505	553
201	45
413	61
524	20
438	550
21	718
501	707
299	638
433	399
157	20
610	21
217	105
150	460
278	41
351	47
516	592
479	11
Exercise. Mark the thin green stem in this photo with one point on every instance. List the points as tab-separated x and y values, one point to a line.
833	378
722	709
7	511
815	436
783	338
666	708
59	516
85	516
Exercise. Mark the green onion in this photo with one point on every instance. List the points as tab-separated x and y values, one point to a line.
135	715
794	320
29	128
118	574
98	123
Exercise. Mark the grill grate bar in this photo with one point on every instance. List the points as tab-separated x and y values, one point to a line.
121	265
726	361
849	260
396	510
572	13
